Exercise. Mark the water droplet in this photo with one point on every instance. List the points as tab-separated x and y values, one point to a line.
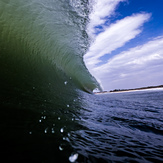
40	120
65	82
46	130
61	130
33	88
72	119
30	132
53	131
66	139
68	106
59	118
44	117
73	157
60	148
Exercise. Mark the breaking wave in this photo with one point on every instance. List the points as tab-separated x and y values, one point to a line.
42	43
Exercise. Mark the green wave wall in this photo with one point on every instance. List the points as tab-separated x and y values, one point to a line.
42	43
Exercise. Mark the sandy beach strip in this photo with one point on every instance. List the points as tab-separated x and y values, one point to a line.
125	91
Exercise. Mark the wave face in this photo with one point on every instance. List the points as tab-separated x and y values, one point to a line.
42	43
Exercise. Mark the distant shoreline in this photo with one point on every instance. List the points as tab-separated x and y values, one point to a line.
130	90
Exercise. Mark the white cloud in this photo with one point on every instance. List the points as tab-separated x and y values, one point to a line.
139	66
101	9
136	67
115	36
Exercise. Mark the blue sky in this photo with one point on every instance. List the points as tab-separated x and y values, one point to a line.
127	43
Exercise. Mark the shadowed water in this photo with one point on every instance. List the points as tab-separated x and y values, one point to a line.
120	127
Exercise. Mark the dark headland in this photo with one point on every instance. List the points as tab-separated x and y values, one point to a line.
127	90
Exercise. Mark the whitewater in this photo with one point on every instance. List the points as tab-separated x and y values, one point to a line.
48	112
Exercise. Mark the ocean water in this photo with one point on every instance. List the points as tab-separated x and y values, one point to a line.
47	110
115	127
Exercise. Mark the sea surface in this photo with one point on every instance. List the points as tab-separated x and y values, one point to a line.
48	112
115	127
